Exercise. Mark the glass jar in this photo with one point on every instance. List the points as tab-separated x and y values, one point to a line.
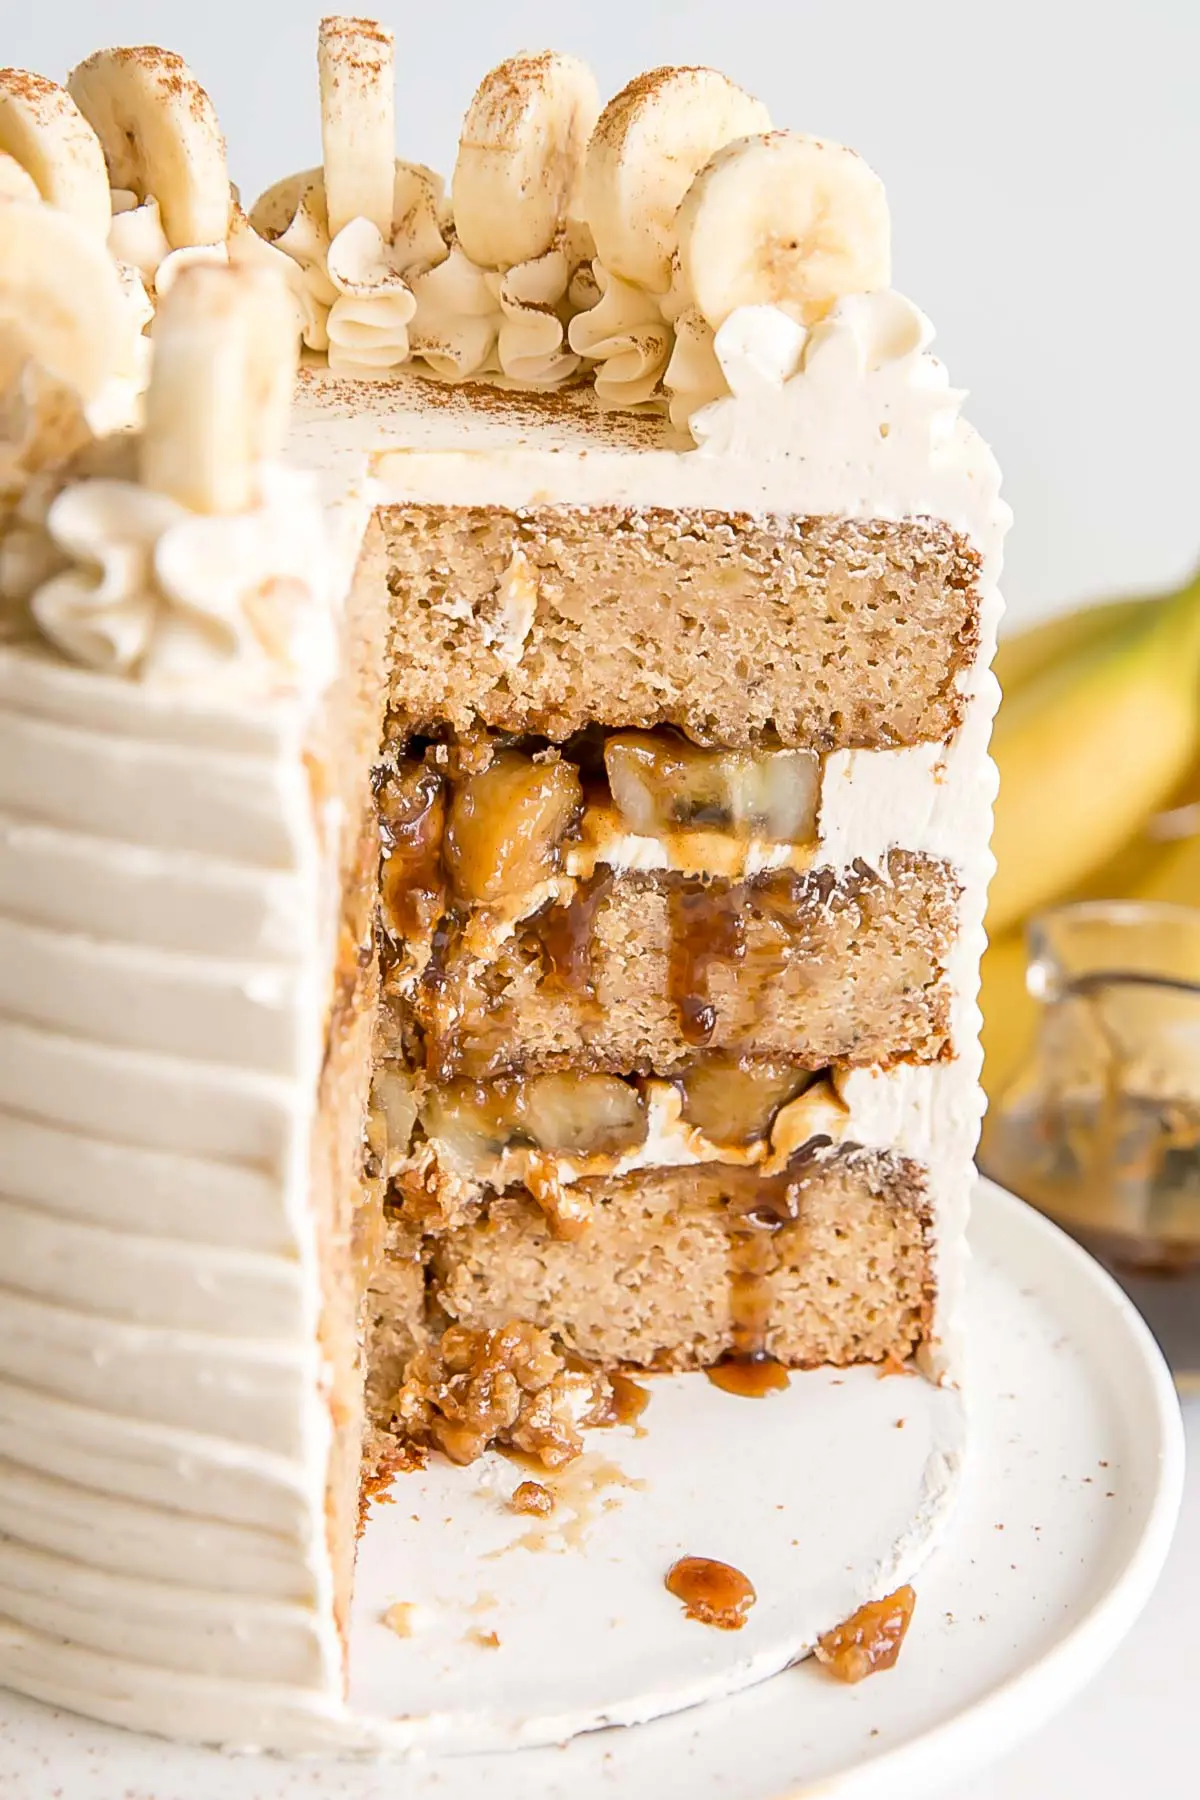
1101	1128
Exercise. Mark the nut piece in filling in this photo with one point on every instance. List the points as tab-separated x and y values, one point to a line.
870	1639
734	1100
532	1497
508	1387
567	1114
714	1593
506	824
661	783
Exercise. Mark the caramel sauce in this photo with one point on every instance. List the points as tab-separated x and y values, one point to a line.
751	1265
870	1639
565	933
756	1206
412	820
578	1491
714	1593
750	1377
629	1400
706	928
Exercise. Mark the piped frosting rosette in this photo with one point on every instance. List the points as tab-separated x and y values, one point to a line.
194	558
132	150
698	208
503	299
50	154
863	373
64	344
648	145
392	268
357	227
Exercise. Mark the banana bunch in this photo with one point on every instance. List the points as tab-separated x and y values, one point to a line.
1098	746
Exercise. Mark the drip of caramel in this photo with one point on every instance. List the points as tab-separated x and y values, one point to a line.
566	936
412	818
629	1400
756	1207
706	928
750	1377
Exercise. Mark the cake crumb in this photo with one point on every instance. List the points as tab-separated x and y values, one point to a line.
487	1640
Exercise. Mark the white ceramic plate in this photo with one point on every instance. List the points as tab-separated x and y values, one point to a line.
1073	1486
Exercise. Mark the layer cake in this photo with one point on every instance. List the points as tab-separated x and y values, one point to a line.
491	868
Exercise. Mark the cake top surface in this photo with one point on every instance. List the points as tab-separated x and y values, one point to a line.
660	301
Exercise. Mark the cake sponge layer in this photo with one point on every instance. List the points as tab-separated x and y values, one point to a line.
812	632
680	1267
639	973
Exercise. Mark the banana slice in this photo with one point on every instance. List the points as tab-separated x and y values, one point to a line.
44	130
649	143
160	136
358	121
225	354
16	183
61	302
520	156
783	220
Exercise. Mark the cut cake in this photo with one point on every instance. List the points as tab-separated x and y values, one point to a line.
491	893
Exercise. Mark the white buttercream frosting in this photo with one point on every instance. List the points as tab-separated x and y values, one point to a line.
471	321
627	339
164	1432
166	932
148	588
355	282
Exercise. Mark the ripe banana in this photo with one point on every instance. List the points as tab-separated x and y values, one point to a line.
648	144
1027	653
1010	1013
61	301
225	354
42	129
16	183
783	220
1088	749
355	60
160	137
520	156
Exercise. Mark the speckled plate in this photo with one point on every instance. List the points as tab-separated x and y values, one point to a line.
1071	1493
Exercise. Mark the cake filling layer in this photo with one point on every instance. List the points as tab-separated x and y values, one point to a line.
821	633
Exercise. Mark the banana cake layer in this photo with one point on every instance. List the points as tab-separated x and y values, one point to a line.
640	970
830	1262
819	633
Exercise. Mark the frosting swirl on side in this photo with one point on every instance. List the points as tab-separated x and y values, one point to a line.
149	589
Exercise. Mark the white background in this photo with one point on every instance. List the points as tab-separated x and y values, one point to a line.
1043	163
